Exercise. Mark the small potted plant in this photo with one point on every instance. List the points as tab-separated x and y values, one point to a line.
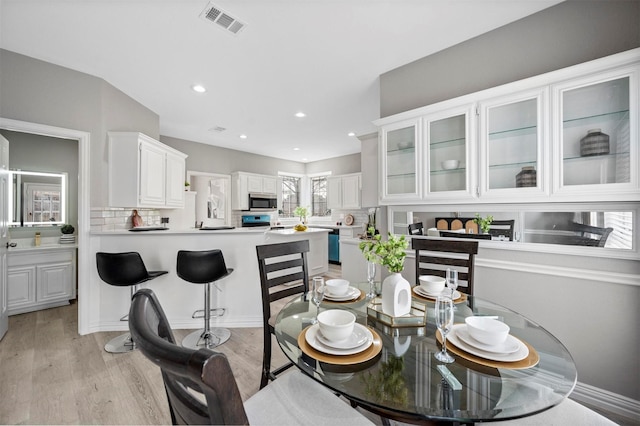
67	234
302	213
390	254
483	223
186	185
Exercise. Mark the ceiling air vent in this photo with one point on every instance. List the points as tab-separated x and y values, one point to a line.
222	19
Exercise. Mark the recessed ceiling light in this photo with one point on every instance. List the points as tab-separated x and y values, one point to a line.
296	149
243	136
198	88
351	134
304	159
300	114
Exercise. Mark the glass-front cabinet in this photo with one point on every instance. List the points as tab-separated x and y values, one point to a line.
451	166
512	146
596	135
401	165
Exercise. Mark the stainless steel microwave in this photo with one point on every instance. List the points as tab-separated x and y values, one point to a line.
263	202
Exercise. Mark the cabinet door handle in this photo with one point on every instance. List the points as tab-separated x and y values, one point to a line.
11	245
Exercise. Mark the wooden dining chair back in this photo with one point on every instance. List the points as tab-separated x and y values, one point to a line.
416	228
502	228
190	376
283	273
434	256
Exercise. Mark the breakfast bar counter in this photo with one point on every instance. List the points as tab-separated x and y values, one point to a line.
239	292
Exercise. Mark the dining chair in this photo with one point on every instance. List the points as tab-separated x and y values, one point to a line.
434	256
283	273
201	387
416	228
589	235
502	227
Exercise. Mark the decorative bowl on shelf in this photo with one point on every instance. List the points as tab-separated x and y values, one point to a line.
450	164
404	145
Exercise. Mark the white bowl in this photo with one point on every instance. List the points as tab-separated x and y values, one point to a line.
432	284
337	287
450	164
336	324
487	330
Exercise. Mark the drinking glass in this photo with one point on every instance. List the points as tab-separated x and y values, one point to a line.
317	294
444	322
371	276
452	280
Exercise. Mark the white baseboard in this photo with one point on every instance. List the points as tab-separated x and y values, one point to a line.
605	400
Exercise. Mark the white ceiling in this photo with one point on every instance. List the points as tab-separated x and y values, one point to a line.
322	57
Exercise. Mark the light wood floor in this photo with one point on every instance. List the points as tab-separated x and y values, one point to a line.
51	375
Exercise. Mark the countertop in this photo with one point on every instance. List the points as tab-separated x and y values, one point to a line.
234	231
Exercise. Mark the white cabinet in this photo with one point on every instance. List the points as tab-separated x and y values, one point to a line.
514	146
144	172
401	166
41	278
522	142
596	134
450	163
343	192
243	184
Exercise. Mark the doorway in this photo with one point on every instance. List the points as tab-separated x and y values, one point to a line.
84	158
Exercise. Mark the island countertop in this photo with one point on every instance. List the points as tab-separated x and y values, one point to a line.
233	231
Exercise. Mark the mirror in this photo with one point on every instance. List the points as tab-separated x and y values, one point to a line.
37	198
591	228
41	193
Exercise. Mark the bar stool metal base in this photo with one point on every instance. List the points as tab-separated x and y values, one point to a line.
120	344
202	339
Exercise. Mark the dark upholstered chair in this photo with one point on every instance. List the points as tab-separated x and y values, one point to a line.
204	267
123	270
416	228
434	256
201	388
283	273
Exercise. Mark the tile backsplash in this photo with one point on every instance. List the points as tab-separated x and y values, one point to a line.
119	219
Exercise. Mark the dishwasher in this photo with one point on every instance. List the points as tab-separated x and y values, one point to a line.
334	246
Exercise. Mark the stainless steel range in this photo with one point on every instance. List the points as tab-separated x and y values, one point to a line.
256	220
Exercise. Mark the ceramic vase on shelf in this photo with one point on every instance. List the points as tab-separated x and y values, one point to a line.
396	295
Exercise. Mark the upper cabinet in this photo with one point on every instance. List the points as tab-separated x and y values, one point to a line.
450	167
596	134
566	136
400	150
243	184
343	192
513	146
144	172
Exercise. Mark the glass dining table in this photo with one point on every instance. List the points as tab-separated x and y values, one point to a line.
399	378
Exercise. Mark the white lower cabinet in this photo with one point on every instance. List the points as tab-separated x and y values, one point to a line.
40	279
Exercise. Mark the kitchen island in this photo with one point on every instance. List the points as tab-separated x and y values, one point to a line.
239	293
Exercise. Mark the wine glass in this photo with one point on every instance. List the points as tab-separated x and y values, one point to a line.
452	280
444	321
317	294
371	276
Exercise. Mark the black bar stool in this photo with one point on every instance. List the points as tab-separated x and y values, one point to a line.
122	270
204	267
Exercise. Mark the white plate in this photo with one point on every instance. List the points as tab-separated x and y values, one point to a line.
446	292
359	337
509	346
352	293
311	337
519	355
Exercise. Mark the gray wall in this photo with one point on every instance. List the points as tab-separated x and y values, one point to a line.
40	92
567	34
212	159
337	165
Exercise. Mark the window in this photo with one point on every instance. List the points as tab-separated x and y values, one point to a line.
290	195
319	196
